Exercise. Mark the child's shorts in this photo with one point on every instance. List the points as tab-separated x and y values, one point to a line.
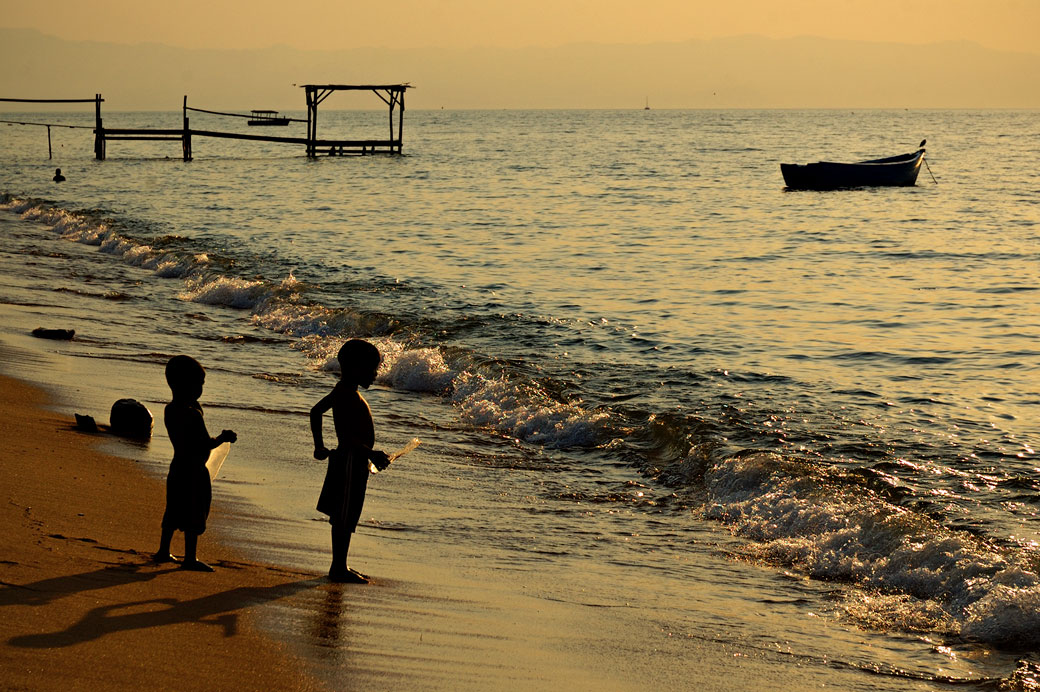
343	492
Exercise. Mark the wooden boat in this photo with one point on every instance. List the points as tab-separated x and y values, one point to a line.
267	118
899	170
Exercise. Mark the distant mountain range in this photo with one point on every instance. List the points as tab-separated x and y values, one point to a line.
736	72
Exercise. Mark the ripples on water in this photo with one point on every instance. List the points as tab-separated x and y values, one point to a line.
848	379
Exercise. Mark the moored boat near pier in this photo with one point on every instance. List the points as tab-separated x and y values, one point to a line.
262	117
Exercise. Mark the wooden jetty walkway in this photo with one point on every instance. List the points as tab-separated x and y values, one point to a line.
50	154
391	94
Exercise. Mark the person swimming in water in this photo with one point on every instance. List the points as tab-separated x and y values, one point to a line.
58	177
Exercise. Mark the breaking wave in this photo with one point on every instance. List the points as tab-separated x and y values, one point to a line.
910	572
83	229
494	401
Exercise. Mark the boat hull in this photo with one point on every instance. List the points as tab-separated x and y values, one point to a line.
895	171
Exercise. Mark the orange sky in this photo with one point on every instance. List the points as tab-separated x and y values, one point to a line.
334	24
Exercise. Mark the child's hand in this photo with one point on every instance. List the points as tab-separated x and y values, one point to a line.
321	453
379	459
228	436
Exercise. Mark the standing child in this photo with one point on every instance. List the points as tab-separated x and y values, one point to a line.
346	480
188	490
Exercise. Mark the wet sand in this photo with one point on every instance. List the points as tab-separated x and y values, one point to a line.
83	605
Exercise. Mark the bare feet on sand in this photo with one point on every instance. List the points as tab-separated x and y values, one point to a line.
349	576
196	566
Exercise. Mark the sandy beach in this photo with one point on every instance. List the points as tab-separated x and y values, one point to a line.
84	606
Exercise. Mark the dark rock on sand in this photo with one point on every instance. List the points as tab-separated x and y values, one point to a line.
130	418
85	423
60	334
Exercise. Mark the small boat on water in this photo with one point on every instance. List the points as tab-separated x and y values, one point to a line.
894	171
267	118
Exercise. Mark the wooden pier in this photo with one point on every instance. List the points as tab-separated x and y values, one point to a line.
50	154
391	94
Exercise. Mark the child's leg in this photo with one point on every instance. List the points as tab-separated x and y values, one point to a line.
340	546
169	521
339	572
163	554
191	542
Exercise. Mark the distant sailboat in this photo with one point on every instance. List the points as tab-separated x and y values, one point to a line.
647	106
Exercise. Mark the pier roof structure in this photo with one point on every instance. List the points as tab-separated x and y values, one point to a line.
392	95
359	87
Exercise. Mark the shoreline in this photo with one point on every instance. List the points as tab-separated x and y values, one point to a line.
84	605
82	601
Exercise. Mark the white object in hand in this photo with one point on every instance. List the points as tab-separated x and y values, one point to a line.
412	444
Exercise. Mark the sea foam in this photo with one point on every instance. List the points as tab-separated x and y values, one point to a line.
810	517
508	406
522	410
225	290
80	228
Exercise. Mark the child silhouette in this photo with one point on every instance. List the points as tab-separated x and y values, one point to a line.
346	480
188	490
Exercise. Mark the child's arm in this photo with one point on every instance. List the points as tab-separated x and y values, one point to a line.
225	436
188	433
214	442
320	450
376	456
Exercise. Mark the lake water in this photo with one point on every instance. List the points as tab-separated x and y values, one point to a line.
624	345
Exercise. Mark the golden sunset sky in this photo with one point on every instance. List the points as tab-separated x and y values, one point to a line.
144	54
1012	25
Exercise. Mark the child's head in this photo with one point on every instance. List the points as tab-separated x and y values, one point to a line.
185	377
359	362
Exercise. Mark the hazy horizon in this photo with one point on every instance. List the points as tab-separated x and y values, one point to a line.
745	71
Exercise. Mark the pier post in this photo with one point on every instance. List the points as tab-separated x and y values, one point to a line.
312	121
392	103
99	131
186	137
400	124
186	141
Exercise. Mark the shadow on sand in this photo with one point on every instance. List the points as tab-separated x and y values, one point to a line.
220	609
47	590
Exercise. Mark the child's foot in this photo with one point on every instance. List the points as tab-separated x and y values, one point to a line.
162	557
196	566
347	576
